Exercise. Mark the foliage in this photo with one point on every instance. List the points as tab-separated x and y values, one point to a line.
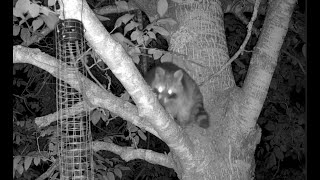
34	95
30	16
136	39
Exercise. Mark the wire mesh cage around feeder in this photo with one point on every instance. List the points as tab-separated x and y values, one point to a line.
73	121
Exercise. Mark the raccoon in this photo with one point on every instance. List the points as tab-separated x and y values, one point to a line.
178	93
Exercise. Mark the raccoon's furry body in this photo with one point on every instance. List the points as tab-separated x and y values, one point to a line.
178	93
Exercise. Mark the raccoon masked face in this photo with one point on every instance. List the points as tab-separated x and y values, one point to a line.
168	86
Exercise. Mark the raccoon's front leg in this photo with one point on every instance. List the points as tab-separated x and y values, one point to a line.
183	118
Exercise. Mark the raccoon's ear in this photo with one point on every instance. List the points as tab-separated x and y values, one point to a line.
178	75
160	71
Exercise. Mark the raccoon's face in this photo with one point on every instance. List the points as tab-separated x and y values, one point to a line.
167	86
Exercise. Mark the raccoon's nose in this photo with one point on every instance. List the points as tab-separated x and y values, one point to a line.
165	100
162	100
160	97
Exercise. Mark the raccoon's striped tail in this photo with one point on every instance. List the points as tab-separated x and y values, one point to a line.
202	117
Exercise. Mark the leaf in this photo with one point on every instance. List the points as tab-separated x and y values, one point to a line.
98	156
110	176
239	63
121	39
25	34
289	112
136	140
18	139
20	168
278	153
135	35
273	84
161	30
16	160
113	114
269	137
131	127
37	23
123	168
242	71
301	119
125	96
123	19
165	21
167	57
104	115
101	175
304	50
22	6
16	30
130	26
107	139
27	162
151	35
267	147
156	53
292	80
36	161
162	7
118	172
44	10
14	19
51	2
51	20
109	162
123	5
142	135
271	161
17	13
133	51
270	127
34	10
136	59
145	38
95	117
102	18
283	148
51	130
100	166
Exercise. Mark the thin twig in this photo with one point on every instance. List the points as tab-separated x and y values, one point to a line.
241	49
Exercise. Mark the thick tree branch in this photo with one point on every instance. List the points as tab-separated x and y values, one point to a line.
264	60
97	96
48	119
128	153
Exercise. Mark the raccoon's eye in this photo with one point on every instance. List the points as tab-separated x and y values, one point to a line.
155	90
171	94
160	89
